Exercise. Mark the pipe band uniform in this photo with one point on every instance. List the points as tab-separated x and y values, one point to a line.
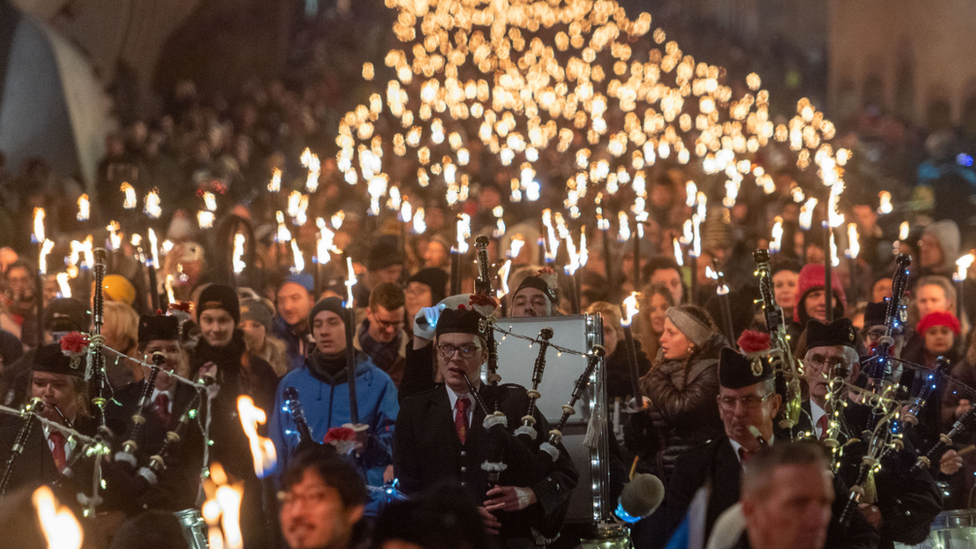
877	464
159	421
33	452
469	437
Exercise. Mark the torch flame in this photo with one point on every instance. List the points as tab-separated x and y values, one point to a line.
129	200
262	449
777	243
337	219
584	254
503	278
678	255
84	208
885	207
42	258
153	206
63	287
903	231
806	214
114	235
58	523
311	161
419	227
463	233
153	247
515	246
205	219
691	190
406	211
229	499
571	267
963	264
238	259
623	235
631	307
299	258
283	234
275	184
350	282
38	236
169	289
210	201
853	244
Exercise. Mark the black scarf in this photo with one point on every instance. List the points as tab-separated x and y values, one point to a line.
330	369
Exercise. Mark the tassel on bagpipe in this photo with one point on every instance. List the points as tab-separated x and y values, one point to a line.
884	438
527	432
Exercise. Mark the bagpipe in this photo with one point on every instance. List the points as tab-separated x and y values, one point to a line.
786	367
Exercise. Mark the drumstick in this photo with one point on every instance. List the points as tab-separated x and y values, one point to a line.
966	450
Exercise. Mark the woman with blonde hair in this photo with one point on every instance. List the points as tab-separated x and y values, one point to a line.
121	331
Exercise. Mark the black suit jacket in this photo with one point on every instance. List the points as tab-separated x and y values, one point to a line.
715	463
178	482
427	450
908	502
35	466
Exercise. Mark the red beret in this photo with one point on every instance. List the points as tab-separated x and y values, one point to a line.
938	318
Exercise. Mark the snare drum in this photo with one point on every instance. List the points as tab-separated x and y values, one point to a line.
950	530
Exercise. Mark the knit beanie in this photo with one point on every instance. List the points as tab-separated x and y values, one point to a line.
118	288
434	278
812	278
938	318
219	296
332	304
257	311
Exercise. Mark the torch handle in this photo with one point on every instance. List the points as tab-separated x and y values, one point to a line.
632	363
351	364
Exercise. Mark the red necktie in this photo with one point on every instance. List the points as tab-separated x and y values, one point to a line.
461	418
161	407
744	455
822	425
60	459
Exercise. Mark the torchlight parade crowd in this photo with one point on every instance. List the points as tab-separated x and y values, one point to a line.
262	329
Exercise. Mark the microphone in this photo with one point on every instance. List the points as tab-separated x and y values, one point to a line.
639	498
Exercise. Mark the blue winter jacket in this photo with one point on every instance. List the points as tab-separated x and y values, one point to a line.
327	406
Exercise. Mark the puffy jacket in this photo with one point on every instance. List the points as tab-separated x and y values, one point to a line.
683	412
326	405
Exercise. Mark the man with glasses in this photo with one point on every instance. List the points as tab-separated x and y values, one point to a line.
906	502
323	391
321	502
381	334
440	436
748	404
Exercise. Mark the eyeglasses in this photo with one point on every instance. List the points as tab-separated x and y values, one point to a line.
750	402
467	351
875	335
311	498
389	325
818	362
